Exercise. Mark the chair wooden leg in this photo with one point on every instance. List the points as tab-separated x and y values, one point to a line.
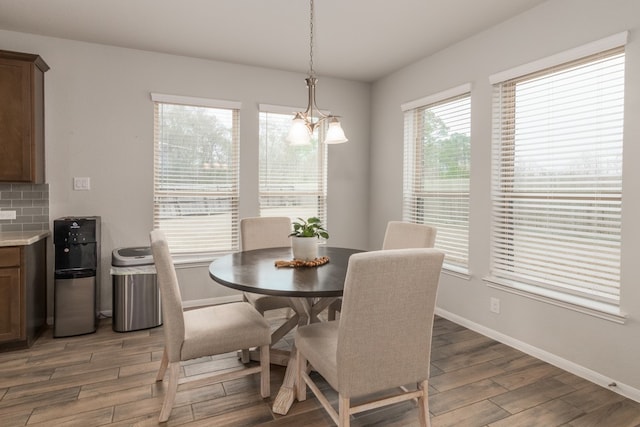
163	366
172	388
301	385
423	404
265	376
343	411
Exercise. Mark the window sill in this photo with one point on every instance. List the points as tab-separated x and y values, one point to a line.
194	260
456	272
592	308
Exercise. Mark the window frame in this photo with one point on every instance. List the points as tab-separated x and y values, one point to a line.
413	154
505	131
230	196
320	194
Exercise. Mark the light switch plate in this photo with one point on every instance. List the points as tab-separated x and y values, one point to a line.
82	183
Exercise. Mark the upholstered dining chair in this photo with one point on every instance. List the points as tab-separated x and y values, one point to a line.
260	233
382	340
398	235
204	331
403	235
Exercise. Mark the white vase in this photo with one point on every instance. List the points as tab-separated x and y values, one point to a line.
304	248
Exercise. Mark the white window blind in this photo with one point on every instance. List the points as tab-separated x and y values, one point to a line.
293	179
437	138
196	173
557	180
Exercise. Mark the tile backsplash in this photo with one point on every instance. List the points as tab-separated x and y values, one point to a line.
30	203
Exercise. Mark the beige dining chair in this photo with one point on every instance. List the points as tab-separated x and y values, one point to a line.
204	331
261	233
403	235
399	235
382	341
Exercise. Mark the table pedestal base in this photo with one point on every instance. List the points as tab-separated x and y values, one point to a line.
308	311
283	401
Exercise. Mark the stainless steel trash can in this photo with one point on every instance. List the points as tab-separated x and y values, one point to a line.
136	295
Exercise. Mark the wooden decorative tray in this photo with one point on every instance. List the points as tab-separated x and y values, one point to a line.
299	263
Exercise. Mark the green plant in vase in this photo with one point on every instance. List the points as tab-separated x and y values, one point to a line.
305	235
312	227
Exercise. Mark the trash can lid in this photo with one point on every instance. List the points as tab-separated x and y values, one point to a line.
126	257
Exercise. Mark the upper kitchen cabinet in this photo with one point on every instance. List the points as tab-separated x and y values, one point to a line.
22	117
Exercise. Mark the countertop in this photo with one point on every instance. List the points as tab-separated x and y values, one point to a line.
22	238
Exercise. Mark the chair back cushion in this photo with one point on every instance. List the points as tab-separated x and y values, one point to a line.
384	334
401	235
265	232
172	315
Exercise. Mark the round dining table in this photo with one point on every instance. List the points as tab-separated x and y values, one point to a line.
255	271
309	289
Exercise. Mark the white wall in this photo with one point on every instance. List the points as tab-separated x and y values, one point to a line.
99	124
600	349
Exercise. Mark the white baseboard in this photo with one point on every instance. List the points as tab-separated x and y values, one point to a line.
186	304
567	365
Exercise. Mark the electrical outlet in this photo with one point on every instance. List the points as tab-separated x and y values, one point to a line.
494	305
7	214
81	183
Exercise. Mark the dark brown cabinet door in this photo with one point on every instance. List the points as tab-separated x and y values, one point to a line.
11	304
21	117
23	294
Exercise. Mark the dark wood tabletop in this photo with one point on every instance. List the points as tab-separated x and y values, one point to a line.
255	271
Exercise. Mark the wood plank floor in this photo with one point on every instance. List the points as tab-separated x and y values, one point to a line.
108	378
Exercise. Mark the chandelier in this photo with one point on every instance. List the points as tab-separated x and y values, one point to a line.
305	122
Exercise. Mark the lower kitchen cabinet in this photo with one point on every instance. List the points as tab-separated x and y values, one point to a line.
23	294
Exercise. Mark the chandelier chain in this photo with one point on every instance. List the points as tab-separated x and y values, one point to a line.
311	72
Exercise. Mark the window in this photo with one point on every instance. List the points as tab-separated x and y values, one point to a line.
437	143
557	180
196	173
293	179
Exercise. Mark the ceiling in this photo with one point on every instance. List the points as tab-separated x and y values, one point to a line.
353	39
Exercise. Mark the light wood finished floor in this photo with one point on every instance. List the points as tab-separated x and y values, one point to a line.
108	378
